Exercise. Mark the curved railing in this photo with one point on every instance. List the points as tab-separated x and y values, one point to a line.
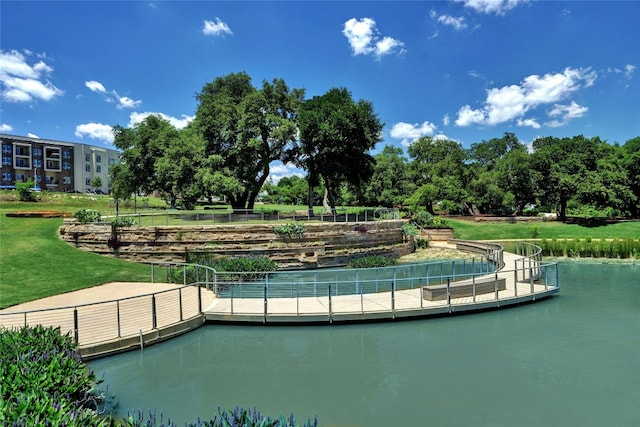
296	296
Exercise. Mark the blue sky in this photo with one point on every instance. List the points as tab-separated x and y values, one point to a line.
467	70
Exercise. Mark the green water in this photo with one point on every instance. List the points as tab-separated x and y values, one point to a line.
570	360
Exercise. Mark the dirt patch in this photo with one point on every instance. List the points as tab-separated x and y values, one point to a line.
39	214
435	254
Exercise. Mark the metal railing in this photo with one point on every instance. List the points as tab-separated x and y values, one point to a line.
104	321
228	216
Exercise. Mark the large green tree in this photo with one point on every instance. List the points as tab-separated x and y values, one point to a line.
439	172
246	129
141	145
389	184
631	163
336	135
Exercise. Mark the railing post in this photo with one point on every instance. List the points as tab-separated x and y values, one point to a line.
75	325
265	303
473	287
153	270
200	299
154	319
393	296
449	293
515	278
495	285
330	307
118	314
180	302
232	299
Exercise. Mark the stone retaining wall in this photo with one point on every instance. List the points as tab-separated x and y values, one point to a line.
322	245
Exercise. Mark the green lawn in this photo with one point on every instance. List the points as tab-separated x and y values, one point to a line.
35	262
545	230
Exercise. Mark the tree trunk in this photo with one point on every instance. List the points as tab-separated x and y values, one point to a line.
325	201
310	201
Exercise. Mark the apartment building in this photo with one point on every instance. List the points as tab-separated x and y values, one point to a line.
55	165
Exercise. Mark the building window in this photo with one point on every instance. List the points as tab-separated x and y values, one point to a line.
6	148
66	166
112	161
87	157
23	163
98	158
20	177
37	151
66	180
98	169
6	161
23	150
87	168
6	177
66	154
38	178
37	163
87	182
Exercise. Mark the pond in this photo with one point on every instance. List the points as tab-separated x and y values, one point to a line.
569	360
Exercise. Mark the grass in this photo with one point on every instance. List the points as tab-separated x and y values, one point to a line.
36	263
545	230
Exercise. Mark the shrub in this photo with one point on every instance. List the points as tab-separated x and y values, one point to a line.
251	268
44	380
291	230
25	191
371	262
534	230
123	221
425	220
421	243
87	215
409	229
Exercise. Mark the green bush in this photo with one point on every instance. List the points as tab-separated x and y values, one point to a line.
25	191
291	230
409	229
371	262
251	268
44	381
123	221
421	243
424	219
88	215
588	247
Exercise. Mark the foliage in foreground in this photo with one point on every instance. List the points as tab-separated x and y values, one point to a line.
223	418
44	382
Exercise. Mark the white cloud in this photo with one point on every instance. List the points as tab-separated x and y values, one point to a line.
564	113
5	127
126	102
95	86
498	7
112	96
408	132
364	38
628	70
279	170
532	123
97	131
514	101
33	135
181	123
22	82
446	120
216	28
456	22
